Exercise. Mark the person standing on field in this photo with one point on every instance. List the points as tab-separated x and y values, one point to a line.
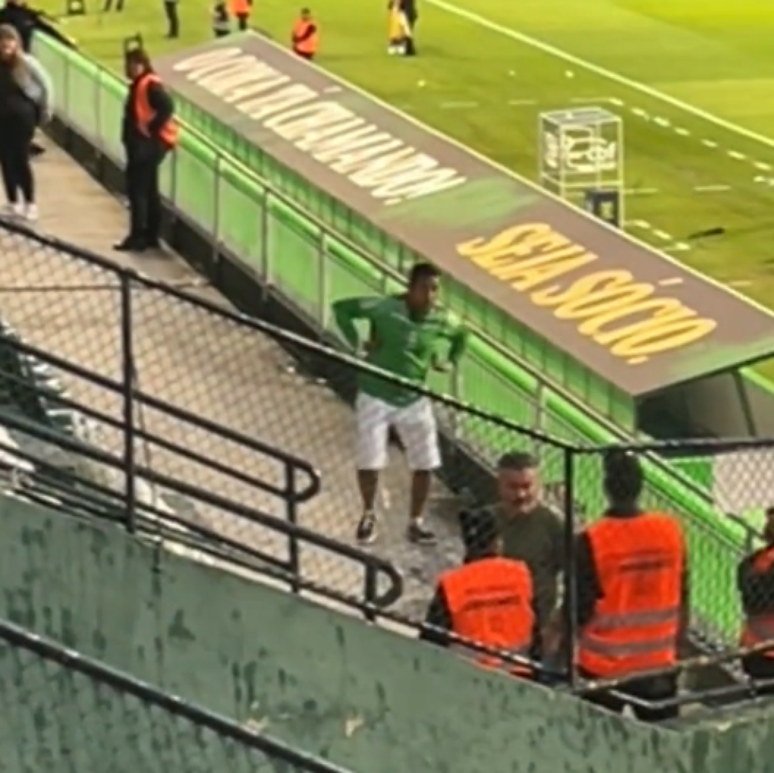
409	336
173	19
305	37
240	10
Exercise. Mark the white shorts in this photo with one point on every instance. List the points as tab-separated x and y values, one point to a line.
415	424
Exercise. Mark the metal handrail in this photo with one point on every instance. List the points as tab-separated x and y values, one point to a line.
125	684
310	490
296	534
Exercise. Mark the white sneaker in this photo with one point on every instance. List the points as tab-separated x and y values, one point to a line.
12	210
31	212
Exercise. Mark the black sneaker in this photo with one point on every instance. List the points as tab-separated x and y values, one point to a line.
366	529
418	533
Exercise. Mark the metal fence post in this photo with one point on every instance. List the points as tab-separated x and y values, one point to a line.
127	381
101	147
570	585
294	558
322	275
216	213
265	242
540	407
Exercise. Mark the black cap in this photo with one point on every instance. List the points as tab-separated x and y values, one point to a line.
623	474
478	529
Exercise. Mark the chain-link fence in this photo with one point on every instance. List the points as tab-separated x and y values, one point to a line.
739	477
216	402
199	387
65	713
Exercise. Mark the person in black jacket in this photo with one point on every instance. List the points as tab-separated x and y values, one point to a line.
148	134
755	582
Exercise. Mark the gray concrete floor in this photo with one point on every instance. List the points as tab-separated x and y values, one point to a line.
209	366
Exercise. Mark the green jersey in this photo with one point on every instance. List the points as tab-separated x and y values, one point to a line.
400	343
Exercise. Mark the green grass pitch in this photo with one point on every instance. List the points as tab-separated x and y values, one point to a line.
693	82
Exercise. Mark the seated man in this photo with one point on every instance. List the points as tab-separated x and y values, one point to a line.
488	600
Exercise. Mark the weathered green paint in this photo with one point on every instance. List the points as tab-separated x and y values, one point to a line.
369	699
55	719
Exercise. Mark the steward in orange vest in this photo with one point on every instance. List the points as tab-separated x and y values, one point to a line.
632	593
149	132
241	10
755	581
488	600
305	36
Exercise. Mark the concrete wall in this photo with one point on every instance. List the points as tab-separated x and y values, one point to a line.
371	700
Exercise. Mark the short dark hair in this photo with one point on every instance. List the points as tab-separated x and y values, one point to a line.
421	271
517	461
623	475
479	530
139	56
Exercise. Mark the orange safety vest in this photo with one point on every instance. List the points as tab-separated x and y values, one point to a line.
304	46
490	602
640	563
144	112
758	629
240	7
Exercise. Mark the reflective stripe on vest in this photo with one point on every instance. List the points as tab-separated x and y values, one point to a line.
145	113
490	602
307	45
639	563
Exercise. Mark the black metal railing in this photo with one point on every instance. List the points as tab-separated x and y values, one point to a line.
295	393
70	709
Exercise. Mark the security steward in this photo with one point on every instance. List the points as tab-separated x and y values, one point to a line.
149	133
240	10
632	594
305	37
488	600
755	581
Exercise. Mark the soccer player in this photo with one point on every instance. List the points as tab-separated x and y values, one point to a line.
409	336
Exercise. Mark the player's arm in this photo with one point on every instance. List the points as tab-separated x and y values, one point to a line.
457	335
348	312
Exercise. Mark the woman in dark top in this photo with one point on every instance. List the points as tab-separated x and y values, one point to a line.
25	95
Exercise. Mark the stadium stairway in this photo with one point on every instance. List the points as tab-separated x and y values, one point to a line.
211	366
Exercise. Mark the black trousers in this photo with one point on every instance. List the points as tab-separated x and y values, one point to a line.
243	20
655	688
16	133
142	190
173	21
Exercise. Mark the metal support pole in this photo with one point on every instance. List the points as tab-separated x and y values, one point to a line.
570	585
127	381
294	557
322	279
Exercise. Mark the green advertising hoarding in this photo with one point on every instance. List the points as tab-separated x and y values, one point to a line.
311	263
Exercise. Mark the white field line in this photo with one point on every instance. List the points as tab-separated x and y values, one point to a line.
602	72
433	132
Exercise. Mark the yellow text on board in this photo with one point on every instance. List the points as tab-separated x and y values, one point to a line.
632	320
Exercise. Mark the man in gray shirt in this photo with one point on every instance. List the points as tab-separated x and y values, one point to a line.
530	531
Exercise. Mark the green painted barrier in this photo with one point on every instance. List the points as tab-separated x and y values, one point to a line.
314	266
365	698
